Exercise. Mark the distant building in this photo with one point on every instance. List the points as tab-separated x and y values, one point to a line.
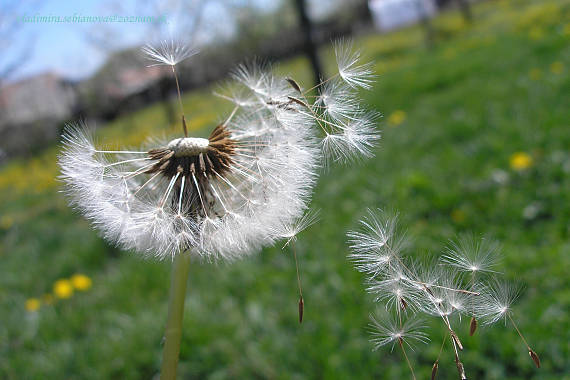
131	81
41	97
392	14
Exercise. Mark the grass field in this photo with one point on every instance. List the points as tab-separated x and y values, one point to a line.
476	137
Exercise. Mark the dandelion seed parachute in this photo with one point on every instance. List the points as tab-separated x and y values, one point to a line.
244	187
468	254
168	52
386	330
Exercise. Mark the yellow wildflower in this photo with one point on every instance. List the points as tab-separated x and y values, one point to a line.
63	288
458	216
556	67
81	282
449	53
566	30
32	304
396	118
6	222
535	74
535	33
520	161
47	299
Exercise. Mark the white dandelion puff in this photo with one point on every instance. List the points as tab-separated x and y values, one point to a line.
168	52
244	187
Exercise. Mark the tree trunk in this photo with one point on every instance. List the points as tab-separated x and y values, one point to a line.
309	46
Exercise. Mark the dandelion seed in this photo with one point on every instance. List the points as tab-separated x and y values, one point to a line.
410	288
534	356
471	255
460	369
291	231
168	53
386	331
472	326
350	69
434	369
338	100
377	244
496	301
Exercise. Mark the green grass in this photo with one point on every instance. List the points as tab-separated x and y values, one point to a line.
484	92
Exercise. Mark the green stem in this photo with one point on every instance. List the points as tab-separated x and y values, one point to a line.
173	333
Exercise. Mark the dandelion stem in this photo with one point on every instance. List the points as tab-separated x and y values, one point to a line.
180	102
301	302
407	359
319	84
518	331
173	333
533	355
442	345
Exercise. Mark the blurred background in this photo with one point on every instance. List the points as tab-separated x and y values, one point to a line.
476	138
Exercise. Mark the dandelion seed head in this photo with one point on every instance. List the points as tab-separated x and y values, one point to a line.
223	197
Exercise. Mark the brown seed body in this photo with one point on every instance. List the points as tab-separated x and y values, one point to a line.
534	357
434	370
301	308
472	326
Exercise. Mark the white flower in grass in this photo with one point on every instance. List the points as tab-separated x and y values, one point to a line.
168	52
385	330
244	187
